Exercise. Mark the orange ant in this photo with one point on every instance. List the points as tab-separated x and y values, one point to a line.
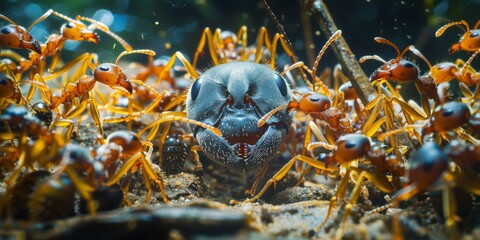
454	165
154	68
135	154
74	30
10	90
32	137
470	41
107	73
16	36
446	71
223	46
450	116
401	70
347	151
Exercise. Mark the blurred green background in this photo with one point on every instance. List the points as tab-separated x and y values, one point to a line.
166	26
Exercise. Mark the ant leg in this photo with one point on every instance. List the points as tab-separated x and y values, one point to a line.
83	188
340	193
260	174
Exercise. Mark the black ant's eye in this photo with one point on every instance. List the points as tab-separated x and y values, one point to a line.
3	82
104	68
281	84
474	34
6	30
70	25
195	89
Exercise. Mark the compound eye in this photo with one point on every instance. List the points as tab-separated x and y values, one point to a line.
281	84
447	112
6	30
104	68
474	34
195	89
70	25
408	64
350	145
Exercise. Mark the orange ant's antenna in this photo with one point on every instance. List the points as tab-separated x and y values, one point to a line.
391	44
265	118
441	30
141	51
106	30
62	16
170	118
372	57
45	15
469	61
334	37
8	19
415	51
293	66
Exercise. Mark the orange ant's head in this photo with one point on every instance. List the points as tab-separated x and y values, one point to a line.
443	72
351	147
470	42
447	117
397	71
113	76
349	92
311	102
15	36
427	165
129	141
77	31
7	86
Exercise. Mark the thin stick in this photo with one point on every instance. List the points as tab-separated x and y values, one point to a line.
350	66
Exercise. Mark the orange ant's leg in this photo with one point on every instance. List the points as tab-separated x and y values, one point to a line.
262	38
242	38
260	174
190	69
179	116
127	165
382	185
340	193
284	170
194	150
196	158
95	113
150	172
162	139
209	39
65	123
450	208
338	74
377	104
83	188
